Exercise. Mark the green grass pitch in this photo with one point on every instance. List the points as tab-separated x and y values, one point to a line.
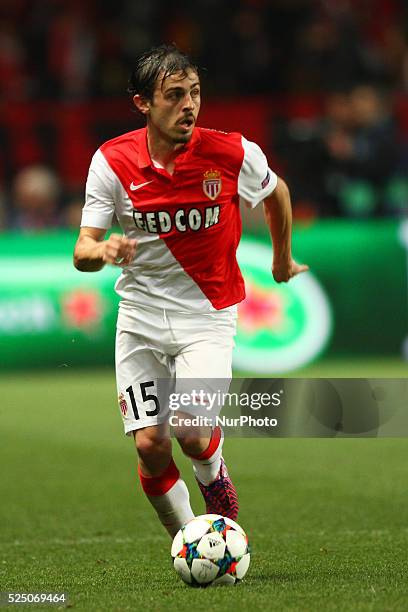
327	519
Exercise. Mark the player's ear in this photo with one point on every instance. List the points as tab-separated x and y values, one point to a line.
141	104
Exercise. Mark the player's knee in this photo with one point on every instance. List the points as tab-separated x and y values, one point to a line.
190	441
151	443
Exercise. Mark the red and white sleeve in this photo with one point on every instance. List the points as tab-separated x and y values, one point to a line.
99	195
256	180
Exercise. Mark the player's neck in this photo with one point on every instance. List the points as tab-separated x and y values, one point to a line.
163	151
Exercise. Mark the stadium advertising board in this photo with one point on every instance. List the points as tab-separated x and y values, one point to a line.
53	315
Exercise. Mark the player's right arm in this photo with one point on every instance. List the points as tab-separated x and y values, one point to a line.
92	252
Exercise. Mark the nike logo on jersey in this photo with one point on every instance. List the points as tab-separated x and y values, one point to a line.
134	187
162	222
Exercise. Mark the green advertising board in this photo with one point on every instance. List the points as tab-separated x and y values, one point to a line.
280	326
51	314
354	300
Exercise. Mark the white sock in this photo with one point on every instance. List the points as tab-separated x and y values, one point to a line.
169	496
173	508
207	465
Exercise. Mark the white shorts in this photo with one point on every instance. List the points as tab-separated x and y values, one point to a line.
154	345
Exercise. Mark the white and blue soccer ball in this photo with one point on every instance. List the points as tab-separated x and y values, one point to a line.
211	550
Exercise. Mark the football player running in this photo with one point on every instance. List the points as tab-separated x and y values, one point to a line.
176	190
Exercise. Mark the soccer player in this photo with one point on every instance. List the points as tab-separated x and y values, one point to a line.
176	190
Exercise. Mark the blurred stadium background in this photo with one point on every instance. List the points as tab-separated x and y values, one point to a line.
320	85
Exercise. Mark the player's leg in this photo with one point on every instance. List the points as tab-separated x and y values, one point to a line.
206	359
154	449
138	368
160	478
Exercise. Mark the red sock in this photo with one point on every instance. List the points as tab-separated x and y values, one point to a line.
169	496
207	464
159	485
212	447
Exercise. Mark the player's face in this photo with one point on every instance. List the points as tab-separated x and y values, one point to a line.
174	109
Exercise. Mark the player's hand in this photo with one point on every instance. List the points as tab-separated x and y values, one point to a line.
118	250
285	269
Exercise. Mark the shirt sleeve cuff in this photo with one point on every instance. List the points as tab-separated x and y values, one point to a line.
264	193
98	220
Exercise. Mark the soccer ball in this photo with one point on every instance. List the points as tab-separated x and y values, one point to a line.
211	550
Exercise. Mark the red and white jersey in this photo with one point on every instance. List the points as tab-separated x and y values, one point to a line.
188	224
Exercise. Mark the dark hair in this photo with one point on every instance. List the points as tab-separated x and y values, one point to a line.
165	58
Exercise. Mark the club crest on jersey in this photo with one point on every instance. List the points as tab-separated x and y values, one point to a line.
212	184
123	404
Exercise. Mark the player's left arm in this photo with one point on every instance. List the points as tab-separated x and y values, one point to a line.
258	183
278	215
